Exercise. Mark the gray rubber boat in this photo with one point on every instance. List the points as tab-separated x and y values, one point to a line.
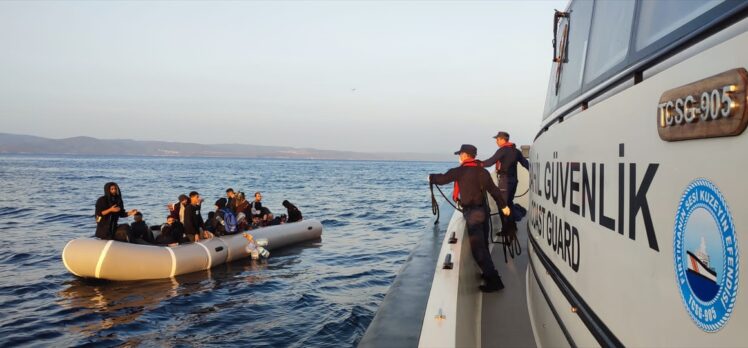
113	260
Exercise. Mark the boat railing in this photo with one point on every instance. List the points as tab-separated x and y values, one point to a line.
453	314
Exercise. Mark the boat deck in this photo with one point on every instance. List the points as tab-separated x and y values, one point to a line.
505	320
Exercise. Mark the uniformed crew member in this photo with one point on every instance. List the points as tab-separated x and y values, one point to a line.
471	184
506	158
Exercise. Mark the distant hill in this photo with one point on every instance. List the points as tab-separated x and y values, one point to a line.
29	144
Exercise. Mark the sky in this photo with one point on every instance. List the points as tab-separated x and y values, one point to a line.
389	76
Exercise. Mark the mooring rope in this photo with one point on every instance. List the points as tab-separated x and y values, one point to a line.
509	241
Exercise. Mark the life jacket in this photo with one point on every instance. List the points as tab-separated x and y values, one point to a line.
456	192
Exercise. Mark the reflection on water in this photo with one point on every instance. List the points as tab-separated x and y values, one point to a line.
119	304
321	294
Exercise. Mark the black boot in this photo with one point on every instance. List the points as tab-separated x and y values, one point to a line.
492	284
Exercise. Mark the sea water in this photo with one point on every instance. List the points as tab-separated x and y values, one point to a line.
321	294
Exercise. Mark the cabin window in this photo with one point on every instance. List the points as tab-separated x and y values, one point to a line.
579	28
662	17
609	42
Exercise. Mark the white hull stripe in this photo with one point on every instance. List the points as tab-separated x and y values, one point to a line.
173	262
696	267
64	262
102	256
210	258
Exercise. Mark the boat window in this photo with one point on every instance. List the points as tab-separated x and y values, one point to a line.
609	42
570	83
662	17
551	98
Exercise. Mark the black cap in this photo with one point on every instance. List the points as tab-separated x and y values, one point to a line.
221	202
468	149
502	135
183	197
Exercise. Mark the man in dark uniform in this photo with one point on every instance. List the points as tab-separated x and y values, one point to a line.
505	159
471	184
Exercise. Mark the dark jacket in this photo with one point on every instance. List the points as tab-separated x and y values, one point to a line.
193	221
175	213
473	182
140	230
231	204
218	222
243	207
294	214
507	157
173	233
257	209
211	223
107	224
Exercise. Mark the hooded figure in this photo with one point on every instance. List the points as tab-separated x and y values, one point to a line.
294	214
109	208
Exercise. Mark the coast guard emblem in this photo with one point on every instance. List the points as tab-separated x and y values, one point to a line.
706	255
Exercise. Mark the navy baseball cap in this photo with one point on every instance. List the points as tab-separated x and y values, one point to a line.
502	135
468	149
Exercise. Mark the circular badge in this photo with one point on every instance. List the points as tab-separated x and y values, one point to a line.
706	255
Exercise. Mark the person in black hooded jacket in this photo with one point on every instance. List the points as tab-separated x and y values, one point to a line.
109	208
294	214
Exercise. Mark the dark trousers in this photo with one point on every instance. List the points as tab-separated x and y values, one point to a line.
508	188
476	218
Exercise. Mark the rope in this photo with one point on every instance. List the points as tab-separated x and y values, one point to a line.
509	241
434	204
526	191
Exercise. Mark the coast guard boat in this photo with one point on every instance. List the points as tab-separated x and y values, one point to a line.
633	234
701	278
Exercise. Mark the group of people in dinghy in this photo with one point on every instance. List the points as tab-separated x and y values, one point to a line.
184	224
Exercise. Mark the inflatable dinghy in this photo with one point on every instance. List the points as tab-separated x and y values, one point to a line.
113	260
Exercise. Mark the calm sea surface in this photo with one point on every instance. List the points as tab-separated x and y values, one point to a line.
322	294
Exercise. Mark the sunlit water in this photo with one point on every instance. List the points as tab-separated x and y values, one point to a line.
321	294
